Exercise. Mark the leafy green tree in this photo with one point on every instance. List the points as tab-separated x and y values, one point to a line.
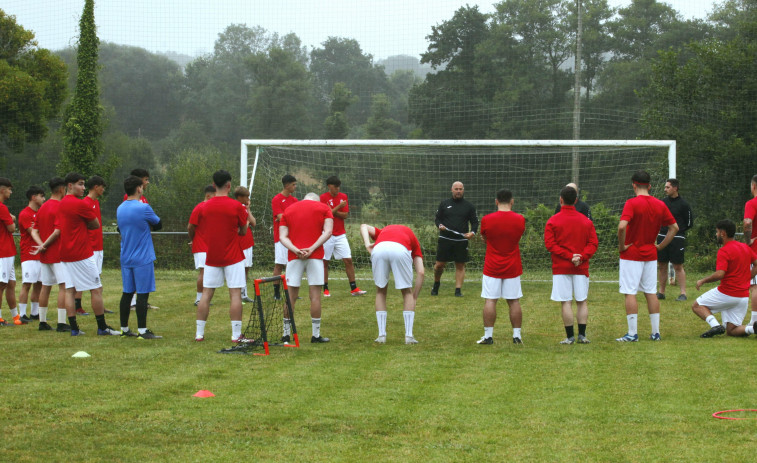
82	128
380	125
32	85
336	125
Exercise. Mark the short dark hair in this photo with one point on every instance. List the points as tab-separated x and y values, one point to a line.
56	183
727	226
754	179
287	179
221	178
210	189
131	184
674	182
641	177
5	182
141	173
34	190
569	195
94	181
74	177
333	180
504	196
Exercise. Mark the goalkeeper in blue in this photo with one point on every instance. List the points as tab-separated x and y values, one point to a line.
135	221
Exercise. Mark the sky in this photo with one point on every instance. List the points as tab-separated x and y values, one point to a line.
382	27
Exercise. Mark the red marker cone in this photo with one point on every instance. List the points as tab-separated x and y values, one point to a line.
204	393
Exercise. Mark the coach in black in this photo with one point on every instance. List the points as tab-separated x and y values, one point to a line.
674	252
452	219
580	206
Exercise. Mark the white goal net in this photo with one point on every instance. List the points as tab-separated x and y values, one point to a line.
403	181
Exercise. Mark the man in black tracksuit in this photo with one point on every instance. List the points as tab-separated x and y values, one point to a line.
452	218
674	251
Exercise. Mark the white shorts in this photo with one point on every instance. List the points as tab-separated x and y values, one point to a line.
338	246
296	267
31	271
199	259
82	275
635	275
233	274
565	287
754	279
248	257
732	309
500	288
99	261
281	255
389	255
7	269
53	274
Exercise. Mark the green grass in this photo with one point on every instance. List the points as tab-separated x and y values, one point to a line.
445	399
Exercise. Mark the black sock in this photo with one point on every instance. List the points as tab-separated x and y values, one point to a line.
72	322
458	290
124	308
142	310
582	329
353	285
569	331
101	325
276	290
77	303
436	284
325	286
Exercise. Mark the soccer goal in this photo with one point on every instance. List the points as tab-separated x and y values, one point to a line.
403	181
271	320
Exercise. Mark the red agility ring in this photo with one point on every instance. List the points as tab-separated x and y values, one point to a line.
717	414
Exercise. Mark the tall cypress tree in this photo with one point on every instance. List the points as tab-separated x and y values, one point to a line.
82	128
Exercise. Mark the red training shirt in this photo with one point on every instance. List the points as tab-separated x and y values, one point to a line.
26	220
7	245
569	232
332	202
96	235
402	235
645	215
279	204
222	217
72	218
750	212
198	242
735	259
502	231
142	198
305	221
45	225
247	241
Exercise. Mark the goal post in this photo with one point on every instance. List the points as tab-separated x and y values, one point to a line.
403	181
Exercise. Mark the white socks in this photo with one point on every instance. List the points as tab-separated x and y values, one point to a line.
632	330
381	320
488	331
236	329
654	319
287	327
516	332
712	321
21	309
42	314
316	327
62	317
199	295
200	333
35	308
754	317
409	316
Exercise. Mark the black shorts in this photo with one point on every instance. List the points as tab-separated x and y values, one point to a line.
673	252
451	251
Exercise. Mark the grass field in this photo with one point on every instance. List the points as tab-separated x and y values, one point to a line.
445	399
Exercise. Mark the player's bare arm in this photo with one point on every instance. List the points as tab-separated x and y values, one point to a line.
748	231
420	273
242	230
35	235
251	218
50	240
191	228
716	276
93	224
12	227
754	268
284	239
672	230
368	233
622	228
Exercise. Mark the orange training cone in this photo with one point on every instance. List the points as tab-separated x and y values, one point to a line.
204	393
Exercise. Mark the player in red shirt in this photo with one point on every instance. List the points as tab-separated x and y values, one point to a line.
7	252
199	248
502	231
397	249
96	188
52	272
640	222
571	239
750	237
74	219
225	220
246	242
30	265
731	297
279	204
304	228
337	245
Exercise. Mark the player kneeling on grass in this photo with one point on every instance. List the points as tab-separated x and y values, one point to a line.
571	239
731	297
303	229
135	221
397	249
502	231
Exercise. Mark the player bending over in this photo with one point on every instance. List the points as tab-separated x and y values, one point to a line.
731	297
397	249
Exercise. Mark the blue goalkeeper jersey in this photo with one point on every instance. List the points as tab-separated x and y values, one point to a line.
134	222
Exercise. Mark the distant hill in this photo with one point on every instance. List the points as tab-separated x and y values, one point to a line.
405	63
178	58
